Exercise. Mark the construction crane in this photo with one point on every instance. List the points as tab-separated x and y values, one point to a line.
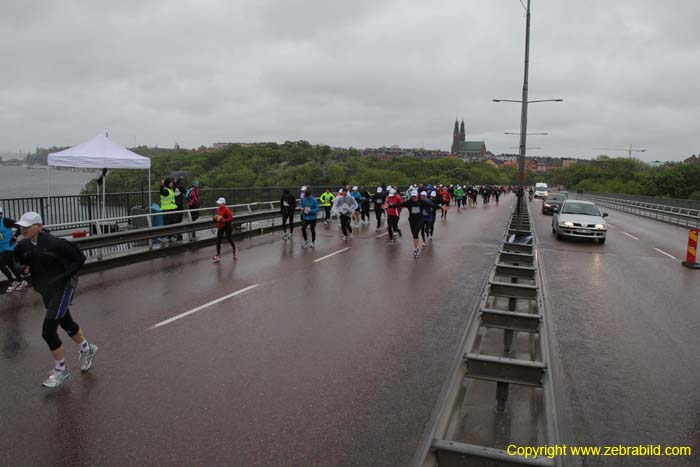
629	150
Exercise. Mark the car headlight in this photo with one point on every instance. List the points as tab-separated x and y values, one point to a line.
600	226
568	224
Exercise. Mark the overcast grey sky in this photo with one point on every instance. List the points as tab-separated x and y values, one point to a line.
361	73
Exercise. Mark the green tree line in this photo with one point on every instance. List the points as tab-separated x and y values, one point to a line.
629	176
297	163
300	163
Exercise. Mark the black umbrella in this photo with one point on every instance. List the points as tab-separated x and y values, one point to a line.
180	175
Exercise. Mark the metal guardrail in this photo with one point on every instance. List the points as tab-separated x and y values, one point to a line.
511	303
82	210
679	203
112	249
687	217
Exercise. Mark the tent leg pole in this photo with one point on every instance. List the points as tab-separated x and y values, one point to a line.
48	194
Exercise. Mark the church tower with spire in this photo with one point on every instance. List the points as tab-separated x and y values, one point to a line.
462	132
456	136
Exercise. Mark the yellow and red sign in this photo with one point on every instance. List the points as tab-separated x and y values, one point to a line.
691	258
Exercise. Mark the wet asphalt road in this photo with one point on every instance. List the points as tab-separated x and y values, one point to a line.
626	321
331	363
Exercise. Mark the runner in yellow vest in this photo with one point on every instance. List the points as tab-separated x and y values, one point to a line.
327	200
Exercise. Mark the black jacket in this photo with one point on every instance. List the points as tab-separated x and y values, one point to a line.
52	261
291	203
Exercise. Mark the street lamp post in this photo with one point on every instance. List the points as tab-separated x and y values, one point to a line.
523	112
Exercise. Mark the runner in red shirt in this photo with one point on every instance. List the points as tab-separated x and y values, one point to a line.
393	210
224	224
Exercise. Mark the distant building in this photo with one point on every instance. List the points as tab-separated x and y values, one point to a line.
692	160
395	152
469	151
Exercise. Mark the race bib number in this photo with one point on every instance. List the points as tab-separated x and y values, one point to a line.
379	201
415	210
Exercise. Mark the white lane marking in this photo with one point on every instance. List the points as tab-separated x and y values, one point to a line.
332	254
610	225
206	305
381	235
630	235
664	253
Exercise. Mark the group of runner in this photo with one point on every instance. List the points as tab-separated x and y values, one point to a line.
467	196
53	263
352	207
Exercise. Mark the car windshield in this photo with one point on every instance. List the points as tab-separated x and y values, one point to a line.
580	208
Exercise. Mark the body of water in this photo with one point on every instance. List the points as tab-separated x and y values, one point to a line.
21	182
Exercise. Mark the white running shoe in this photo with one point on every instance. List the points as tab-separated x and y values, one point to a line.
14	286
56	378
311	245
216	259
350	237
86	358
305	245
345	237
415	253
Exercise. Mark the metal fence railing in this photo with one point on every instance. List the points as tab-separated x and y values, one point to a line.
683	216
680	203
79	211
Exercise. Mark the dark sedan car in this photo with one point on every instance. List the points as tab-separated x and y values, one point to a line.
553	200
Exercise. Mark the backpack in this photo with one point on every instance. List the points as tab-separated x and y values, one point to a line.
188	194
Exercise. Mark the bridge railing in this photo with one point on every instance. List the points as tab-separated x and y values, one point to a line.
82	210
676	202
687	217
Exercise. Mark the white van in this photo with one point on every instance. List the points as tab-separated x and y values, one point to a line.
541	190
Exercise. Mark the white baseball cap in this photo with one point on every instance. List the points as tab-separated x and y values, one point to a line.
392	192
221	201
433	193
29	219
414	193
424	193
355	187
379	189
303	188
341	191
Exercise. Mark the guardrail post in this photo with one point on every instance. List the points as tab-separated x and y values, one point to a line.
501	396
149	222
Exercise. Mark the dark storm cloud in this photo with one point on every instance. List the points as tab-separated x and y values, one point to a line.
361	73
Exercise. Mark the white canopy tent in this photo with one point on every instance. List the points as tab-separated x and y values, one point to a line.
99	153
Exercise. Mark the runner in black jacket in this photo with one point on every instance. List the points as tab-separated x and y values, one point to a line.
54	264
